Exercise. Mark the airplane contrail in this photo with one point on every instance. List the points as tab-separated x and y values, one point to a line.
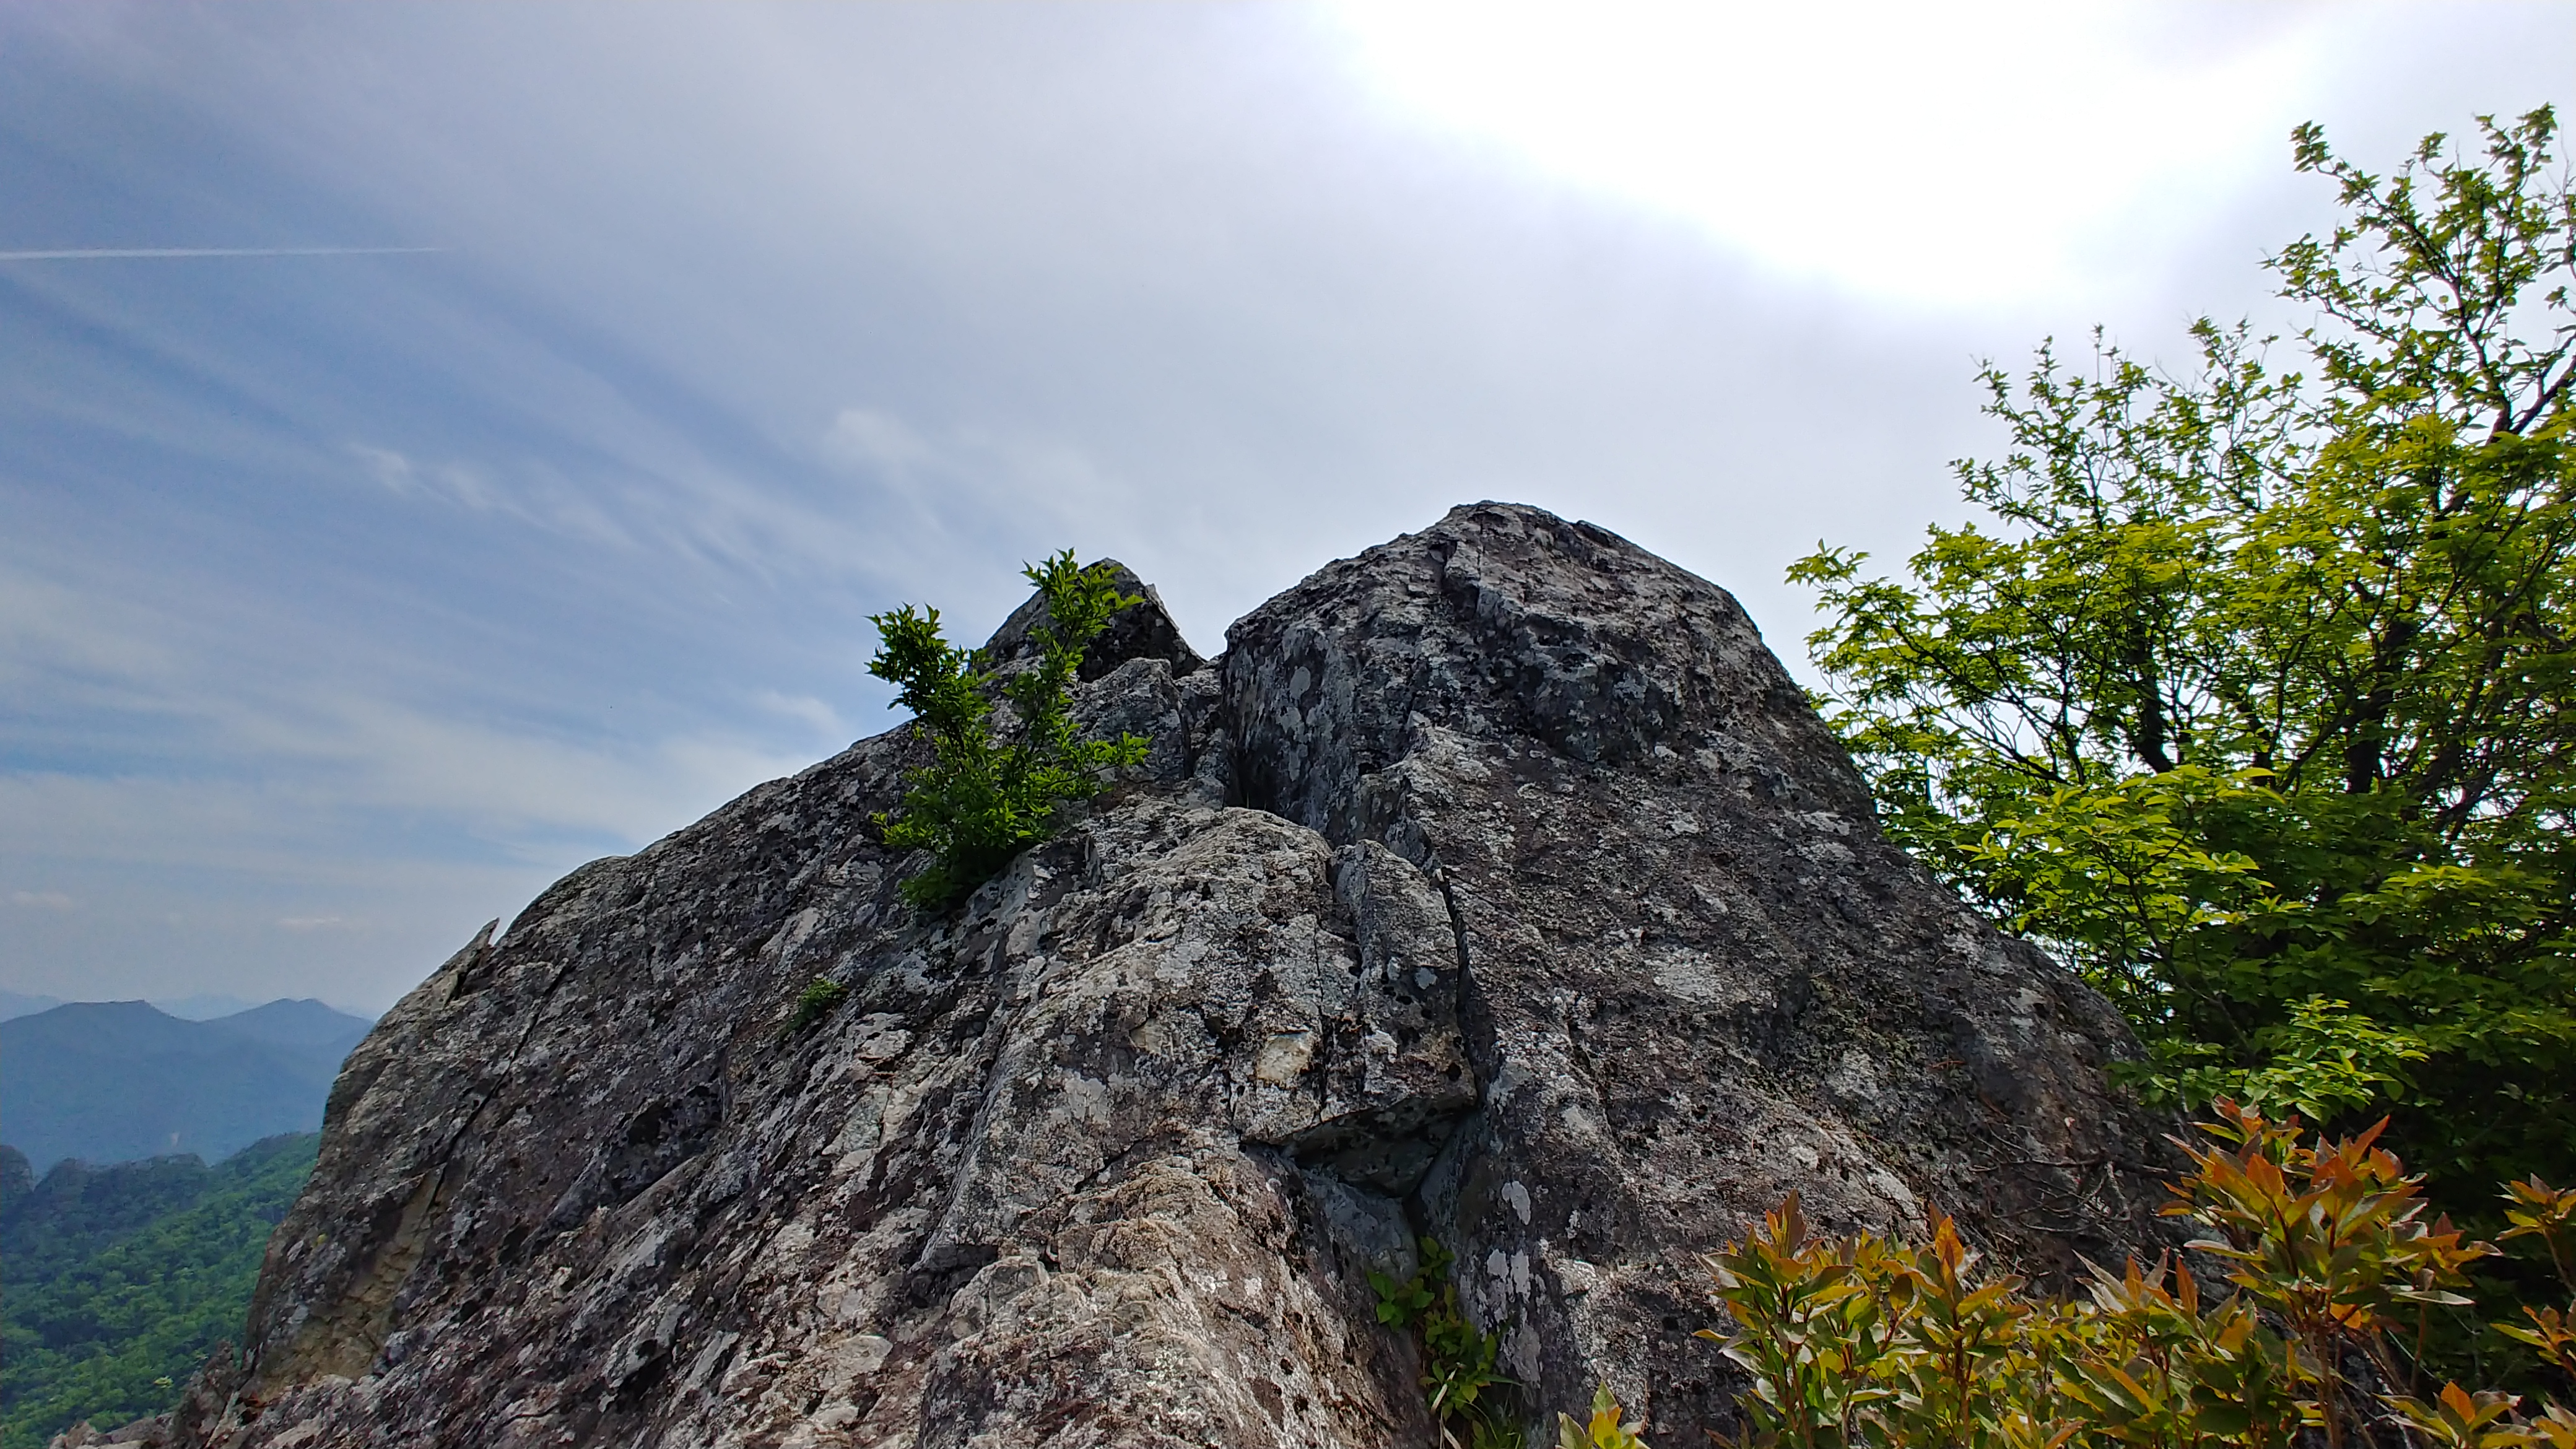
78	254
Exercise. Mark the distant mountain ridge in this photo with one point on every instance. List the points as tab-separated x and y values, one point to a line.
14	1004
204	1006
116	1081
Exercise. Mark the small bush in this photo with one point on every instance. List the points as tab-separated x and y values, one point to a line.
983	802
814	1003
1862	1341
1457	1357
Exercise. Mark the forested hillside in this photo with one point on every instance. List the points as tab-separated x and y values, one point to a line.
115	1282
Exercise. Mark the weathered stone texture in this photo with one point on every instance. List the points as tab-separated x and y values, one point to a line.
1496	883
1698	978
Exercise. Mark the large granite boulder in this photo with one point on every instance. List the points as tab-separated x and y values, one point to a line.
1496	884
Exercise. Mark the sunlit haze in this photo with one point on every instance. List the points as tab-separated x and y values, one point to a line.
1912	154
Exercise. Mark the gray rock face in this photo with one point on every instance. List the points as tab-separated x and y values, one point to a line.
1496	884
1698	978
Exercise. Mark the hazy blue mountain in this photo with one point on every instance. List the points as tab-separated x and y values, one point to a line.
16	1004
116	1081
205	1006
306	1023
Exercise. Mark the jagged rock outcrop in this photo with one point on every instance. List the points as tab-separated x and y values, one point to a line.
1496	884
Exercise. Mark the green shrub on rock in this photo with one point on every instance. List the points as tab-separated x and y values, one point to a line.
1457	1357
814	1003
984	801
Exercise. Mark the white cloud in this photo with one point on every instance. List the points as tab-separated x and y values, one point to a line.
42	900
389	468
1952	155
825	719
876	441
387	603
356	753
351	769
537	496
46	627
129	254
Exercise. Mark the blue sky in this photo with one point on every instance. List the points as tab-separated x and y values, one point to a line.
347	598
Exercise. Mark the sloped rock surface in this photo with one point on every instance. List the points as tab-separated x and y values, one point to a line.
1496	883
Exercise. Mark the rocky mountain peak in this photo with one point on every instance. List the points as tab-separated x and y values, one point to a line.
1140	631
1496	884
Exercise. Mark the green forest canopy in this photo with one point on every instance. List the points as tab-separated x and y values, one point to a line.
2250	693
117	1282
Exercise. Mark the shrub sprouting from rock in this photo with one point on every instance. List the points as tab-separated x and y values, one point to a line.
985	800
1458	1374
814	1003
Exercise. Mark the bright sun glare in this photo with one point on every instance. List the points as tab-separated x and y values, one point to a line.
1926	154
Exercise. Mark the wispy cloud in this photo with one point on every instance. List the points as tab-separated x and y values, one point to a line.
877	441
825	719
961	481
128	254
540	497
42	900
386	591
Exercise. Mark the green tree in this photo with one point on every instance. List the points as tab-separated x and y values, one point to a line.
2250	696
986	800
